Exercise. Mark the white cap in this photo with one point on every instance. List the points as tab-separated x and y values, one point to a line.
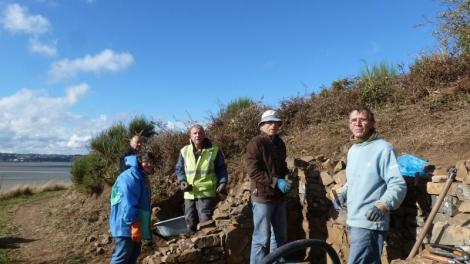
269	115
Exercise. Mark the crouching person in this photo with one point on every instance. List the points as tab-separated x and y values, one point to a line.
130	209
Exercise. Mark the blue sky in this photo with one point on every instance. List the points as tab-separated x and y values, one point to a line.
72	68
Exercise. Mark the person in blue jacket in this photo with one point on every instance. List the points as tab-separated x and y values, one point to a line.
374	187
130	208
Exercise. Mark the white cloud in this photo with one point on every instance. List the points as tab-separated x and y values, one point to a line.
33	122
106	61
35	46
16	19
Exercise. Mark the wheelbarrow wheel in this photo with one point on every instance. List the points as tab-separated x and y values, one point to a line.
294	246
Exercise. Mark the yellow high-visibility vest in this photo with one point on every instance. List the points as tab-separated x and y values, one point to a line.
200	173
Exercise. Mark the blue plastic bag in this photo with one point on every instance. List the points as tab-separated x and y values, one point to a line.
410	165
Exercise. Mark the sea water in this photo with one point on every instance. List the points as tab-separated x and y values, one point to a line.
33	174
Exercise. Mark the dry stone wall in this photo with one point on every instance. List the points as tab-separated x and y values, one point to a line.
227	238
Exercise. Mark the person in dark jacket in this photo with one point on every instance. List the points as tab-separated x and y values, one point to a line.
267	169
129	158
129	218
202	174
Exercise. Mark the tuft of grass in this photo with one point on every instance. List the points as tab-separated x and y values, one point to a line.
235	107
375	84
16	191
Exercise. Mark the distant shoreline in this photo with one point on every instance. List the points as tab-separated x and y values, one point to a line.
16	157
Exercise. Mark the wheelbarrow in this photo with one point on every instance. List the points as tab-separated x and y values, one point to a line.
170	227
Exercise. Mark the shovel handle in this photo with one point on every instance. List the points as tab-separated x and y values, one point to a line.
437	258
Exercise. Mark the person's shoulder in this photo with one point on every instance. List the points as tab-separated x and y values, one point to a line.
382	143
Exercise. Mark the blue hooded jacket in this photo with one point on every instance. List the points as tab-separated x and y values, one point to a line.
130	202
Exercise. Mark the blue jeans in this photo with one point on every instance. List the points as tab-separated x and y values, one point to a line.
366	245
269	232
125	251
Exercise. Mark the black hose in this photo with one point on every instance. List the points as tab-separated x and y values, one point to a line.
294	246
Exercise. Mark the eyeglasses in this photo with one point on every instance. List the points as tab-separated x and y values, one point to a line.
358	120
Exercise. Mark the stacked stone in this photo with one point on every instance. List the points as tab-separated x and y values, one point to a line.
315	181
224	239
451	226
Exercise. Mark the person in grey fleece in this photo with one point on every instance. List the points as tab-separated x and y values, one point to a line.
374	187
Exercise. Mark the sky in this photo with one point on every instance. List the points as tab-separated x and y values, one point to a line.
70	69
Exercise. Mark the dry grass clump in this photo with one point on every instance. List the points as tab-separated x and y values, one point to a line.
16	191
51	186
20	190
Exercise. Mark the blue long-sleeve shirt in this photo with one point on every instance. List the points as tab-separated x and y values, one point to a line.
372	176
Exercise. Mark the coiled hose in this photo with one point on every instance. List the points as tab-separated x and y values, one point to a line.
294	246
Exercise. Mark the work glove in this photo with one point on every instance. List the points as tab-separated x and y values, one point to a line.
375	214
184	186
136	232
222	188
340	202
283	185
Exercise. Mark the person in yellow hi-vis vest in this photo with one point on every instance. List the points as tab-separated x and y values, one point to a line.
202	175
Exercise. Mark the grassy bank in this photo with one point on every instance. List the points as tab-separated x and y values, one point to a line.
7	208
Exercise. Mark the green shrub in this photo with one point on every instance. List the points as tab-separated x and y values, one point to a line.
235	106
141	125
375	84
86	173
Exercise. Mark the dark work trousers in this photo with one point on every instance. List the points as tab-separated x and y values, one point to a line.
198	211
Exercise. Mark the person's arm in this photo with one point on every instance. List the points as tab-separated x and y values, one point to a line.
180	174
255	165
131	192
396	186
220	168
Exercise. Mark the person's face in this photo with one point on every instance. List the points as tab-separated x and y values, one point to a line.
270	128
359	124
136	143
148	166
197	135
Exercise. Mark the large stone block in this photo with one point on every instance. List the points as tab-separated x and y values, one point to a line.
189	255
443	233
448	206
461	170
340	177
206	241
437	187
326	178
463	192
464	207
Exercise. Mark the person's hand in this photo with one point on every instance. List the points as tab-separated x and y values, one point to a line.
222	188
375	214
283	185
340	202
136	232
184	186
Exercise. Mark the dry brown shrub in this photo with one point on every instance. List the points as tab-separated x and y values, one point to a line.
232	134
431	74
166	146
299	113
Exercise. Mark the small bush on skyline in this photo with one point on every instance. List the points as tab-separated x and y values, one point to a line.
374	84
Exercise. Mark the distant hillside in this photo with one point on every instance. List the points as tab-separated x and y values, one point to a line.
14	157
